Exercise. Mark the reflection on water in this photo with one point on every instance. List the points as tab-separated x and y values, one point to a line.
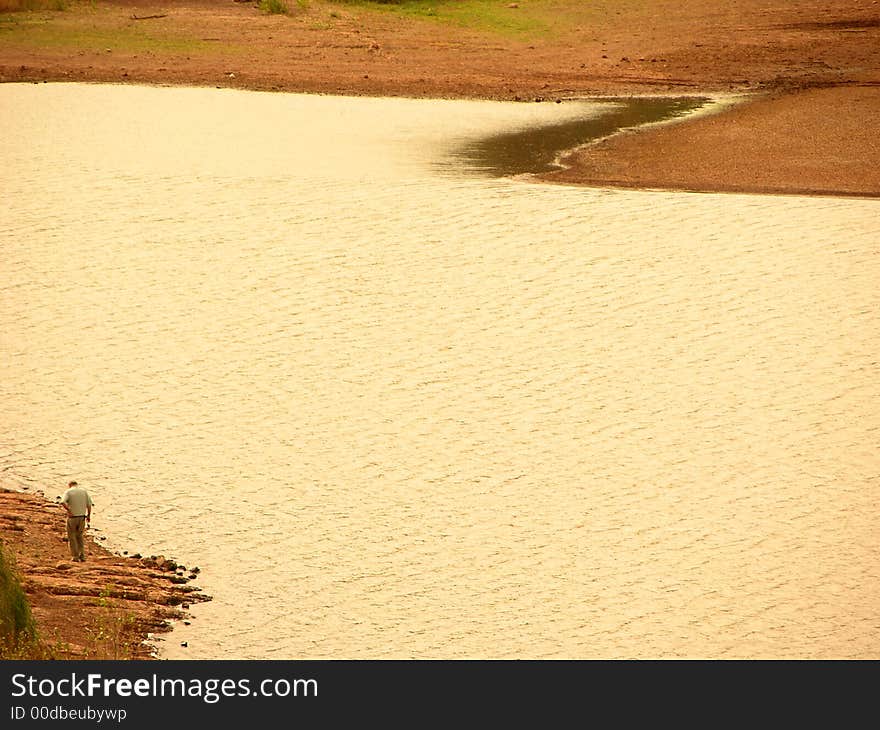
396	413
536	148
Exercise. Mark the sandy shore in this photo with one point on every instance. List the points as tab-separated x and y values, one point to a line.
105	608
812	142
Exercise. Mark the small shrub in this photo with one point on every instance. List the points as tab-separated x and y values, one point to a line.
18	633
274	7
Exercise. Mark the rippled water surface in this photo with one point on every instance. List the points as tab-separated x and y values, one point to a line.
392	409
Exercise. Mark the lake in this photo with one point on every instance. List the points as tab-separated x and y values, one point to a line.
398	400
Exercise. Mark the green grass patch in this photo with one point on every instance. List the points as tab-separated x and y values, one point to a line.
98	30
18	632
482	15
281	7
529	20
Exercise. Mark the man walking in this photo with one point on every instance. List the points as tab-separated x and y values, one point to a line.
78	504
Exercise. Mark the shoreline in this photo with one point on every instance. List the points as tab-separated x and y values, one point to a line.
108	607
810	74
636	158
729	150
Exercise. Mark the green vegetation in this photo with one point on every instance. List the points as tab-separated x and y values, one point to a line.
527	20
96	28
114	635
18	633
274	7
279	7
523	19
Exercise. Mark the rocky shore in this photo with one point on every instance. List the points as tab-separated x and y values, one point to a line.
108	607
